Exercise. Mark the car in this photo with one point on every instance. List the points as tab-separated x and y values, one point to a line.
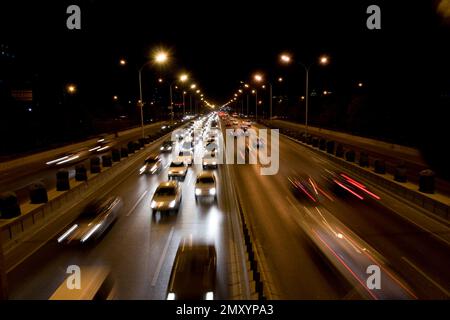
209	159
186	157
188	145
166	146
193	275
342	184
205	185
306	188
92	222
152	164
167	197
177	169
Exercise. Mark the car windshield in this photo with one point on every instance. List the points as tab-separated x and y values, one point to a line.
94	209
205	180
177	164
165	191
151	160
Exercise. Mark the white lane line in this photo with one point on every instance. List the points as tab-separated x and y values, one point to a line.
427	277
163	257
137	203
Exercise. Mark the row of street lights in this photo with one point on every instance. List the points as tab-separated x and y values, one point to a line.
160	58
285	59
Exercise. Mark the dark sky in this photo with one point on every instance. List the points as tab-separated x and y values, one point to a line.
220	42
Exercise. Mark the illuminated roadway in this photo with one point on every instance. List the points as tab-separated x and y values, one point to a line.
140	251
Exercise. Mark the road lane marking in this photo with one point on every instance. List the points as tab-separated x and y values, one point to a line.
427	277
163	257
137	203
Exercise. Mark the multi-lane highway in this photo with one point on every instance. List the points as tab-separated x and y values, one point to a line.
311	250
416	258
139	248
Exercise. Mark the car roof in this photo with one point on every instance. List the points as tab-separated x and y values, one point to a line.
170	183
206	174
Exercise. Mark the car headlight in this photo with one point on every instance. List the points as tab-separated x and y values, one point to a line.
212	191
154	168
182	172
214	163
153	204
198	191
169	148
204	163
209	295
172	204
171	296
142	169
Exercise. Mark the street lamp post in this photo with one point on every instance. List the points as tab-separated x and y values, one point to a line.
160	58
323	60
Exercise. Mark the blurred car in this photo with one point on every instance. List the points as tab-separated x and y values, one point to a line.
342	184
205	185
152	164
193	275
188	145
305	187
186	157
167	197
93	221
177	169
166	146
210	159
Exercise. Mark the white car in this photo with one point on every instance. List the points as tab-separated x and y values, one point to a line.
186	157
167	197
209	160
205	185
177	169
188	145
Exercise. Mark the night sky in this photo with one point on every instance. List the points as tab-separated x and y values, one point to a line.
220	42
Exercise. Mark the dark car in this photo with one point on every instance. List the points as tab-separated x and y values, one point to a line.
305	188
93	221
193	274
167	146
152	164
344	185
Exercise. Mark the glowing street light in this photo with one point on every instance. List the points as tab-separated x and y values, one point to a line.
122	62
193	86
161	57
184	77
280	79
160	80
115	98
323	60
285	58
258	77
71	88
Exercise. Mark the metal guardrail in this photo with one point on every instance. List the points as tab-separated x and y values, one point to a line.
264	287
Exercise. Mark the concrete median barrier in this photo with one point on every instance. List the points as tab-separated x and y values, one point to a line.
9	205
38	193
62	180
24	229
